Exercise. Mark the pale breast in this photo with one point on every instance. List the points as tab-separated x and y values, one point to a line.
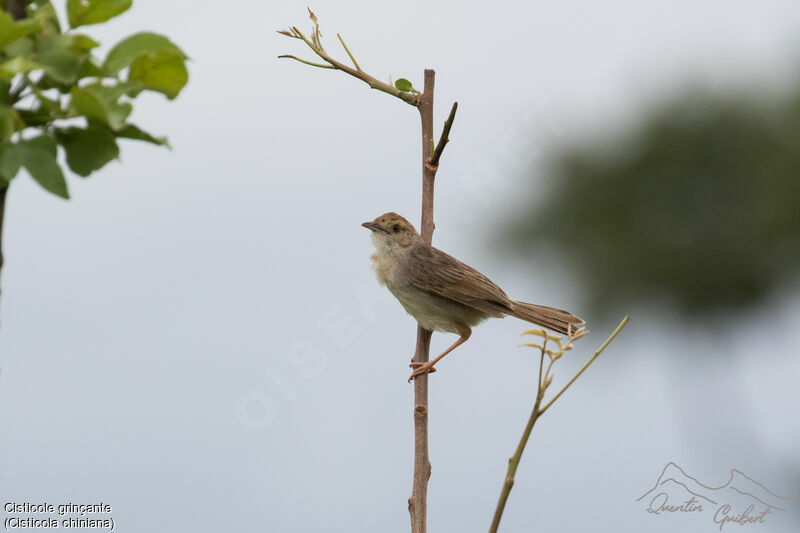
435	313
432	312
384	267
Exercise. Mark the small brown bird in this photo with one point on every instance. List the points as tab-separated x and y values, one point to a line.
441	292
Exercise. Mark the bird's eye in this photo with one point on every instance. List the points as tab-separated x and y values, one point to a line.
396	228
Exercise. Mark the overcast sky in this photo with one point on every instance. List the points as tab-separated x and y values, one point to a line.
196	337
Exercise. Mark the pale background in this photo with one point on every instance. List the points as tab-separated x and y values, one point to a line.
196	338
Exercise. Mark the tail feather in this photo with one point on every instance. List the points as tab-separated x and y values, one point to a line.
548	317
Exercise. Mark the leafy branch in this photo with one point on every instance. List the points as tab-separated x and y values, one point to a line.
545	380
56	94
402	89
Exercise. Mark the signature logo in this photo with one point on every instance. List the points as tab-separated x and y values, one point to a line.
741	500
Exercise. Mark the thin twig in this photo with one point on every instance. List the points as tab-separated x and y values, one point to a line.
320	65
353	59
316	46
513	462
541	362
589	362
443	140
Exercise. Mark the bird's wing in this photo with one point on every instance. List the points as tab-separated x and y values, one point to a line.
436	272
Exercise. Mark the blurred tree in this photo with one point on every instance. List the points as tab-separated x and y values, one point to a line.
699	206
55	93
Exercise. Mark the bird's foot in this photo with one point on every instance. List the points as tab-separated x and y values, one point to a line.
420	369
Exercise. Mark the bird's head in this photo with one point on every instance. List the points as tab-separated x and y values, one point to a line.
392	232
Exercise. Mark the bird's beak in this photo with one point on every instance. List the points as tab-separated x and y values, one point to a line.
373	227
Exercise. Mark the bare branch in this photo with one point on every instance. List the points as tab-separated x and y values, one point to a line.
418	502
443	140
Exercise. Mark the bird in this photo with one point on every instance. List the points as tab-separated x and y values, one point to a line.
442	293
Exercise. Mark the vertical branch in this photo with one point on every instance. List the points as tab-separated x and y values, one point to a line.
16	8
3	191
425	106
418	502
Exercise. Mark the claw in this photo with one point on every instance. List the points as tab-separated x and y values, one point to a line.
415	364
421	368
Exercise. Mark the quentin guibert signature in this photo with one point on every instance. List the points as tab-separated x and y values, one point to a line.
741	500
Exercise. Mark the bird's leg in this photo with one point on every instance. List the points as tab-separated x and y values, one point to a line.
424	368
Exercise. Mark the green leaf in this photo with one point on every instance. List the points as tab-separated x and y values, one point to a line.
18	65
42	142
38	156
44	113
84	12
46	18
88	149
77	43
92	105
92	69
126	51
9	162
112	93
7	119
48	105
80	42
11	30
46	82
62	65
404	85
5	89
6	28
88	104
133	132
118	114
35	118
164	72
20	47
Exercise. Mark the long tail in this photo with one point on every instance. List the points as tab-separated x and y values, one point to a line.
548	317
